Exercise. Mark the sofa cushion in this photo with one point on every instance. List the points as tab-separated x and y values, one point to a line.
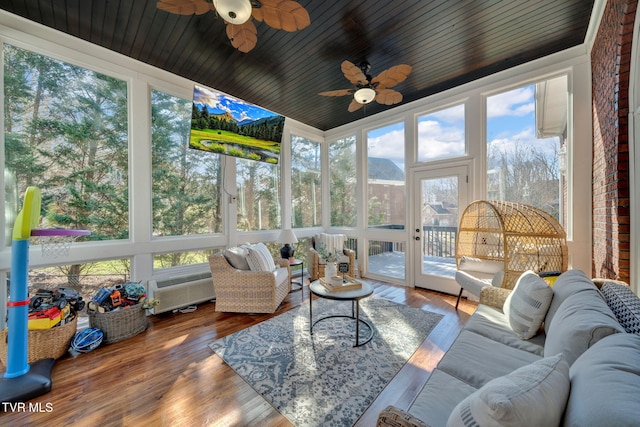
579	322
476	360
533	395
237	257
438	397
624	304
493	324
259	258
567	284
527	305
605	384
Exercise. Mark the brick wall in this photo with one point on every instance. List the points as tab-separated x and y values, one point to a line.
610	61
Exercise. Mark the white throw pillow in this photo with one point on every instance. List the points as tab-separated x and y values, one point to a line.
527	305
259	258
533	395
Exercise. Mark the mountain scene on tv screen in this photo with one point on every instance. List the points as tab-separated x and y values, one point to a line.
226	125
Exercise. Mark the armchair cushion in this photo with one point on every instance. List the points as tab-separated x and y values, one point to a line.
259	258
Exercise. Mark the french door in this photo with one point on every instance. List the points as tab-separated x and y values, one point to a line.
440	196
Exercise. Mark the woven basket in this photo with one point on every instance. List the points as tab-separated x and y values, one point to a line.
121	324
44	344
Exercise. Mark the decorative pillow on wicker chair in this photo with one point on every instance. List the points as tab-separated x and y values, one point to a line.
527	305
259	258
237	257
533	395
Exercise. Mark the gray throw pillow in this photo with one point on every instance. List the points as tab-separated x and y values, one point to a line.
533	395
527	305
237	257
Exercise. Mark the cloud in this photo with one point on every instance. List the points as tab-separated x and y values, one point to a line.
518	102
388	146
508	142
448	115
435	140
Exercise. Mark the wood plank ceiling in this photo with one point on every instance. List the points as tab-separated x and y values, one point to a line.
447	42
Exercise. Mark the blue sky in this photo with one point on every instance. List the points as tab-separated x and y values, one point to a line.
510	122
218	103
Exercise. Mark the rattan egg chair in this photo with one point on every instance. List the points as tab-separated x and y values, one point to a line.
520	236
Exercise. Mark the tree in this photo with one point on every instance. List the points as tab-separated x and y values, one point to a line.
342	182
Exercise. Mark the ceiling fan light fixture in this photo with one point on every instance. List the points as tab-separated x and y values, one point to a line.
235	12
364	95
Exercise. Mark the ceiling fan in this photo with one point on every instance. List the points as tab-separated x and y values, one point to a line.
368	89
285	15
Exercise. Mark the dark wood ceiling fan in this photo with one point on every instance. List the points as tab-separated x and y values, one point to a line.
368	89
285	15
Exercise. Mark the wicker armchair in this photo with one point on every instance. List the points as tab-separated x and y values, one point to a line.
316	266
244	291
513	236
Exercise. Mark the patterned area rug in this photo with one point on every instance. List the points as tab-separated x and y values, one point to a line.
322	380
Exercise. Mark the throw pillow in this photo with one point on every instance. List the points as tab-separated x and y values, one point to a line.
468	263
237	257
624	304
259	258
533	395
527	305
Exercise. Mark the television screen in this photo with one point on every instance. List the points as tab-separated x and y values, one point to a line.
226	125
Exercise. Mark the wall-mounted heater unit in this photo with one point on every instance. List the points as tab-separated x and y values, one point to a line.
180	289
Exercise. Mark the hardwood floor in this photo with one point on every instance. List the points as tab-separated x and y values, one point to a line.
167	376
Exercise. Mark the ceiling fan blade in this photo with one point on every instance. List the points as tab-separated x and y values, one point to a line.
243	37
388	96
339	92
353	73
285	15
392	76
354	106
185	7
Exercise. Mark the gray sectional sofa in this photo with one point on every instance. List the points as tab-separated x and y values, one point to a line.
581	369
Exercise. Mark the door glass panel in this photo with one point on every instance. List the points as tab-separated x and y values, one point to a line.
387	258
439	219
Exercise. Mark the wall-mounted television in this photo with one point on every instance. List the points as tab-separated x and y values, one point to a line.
226	125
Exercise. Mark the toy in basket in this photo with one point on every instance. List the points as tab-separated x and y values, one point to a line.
119	311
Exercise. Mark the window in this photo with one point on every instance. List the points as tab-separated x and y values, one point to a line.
173	259
386	179
342	182
306	186
258	195
86	278
185	182
441	134
66	133
525	128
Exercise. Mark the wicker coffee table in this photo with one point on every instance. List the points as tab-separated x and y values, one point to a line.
354	296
